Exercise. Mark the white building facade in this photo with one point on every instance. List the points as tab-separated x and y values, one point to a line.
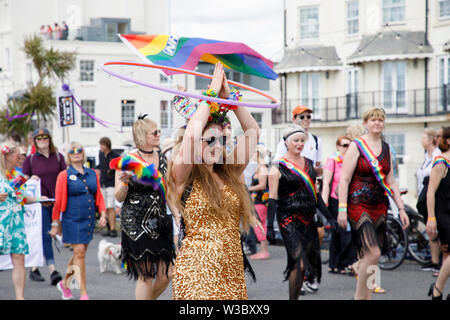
343	57
93	26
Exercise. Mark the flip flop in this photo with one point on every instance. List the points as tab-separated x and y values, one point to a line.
379	290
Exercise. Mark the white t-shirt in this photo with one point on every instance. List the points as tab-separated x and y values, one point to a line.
425	168
310	150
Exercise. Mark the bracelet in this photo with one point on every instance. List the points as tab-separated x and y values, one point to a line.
431	219
342	210
55	224
342	205
124	184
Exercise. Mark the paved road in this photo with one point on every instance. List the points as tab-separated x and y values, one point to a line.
406	282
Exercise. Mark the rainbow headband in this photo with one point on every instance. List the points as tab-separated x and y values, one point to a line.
441	159
374	164
302	174
144	172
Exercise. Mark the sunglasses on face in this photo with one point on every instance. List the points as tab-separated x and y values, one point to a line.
302	117
211	141
156	133
345	145
42	138
75	151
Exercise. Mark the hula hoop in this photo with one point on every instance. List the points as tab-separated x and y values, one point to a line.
275	103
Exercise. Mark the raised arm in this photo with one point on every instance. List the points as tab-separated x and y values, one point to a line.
190	149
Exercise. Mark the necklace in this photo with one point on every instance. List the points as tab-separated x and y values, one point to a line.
147	152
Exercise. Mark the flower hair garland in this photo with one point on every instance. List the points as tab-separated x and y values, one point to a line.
5	150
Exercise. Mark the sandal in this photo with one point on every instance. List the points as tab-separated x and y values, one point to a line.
379	290
430	292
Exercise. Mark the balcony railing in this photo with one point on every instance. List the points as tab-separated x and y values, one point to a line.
406	103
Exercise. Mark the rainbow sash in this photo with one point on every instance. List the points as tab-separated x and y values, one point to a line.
374	165
441	159
302	174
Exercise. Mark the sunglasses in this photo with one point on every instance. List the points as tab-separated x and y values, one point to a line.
42	138
156	133
345	145
302	117
75	151
212	140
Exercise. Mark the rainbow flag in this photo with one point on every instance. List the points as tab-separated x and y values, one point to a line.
185	53
374	164
302	174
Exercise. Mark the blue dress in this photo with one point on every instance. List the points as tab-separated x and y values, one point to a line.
78	221
13	238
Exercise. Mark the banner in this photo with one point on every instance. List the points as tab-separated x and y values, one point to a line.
33	230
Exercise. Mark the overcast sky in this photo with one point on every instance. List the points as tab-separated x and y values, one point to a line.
257	23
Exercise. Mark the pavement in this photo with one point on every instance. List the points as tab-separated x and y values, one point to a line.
407	282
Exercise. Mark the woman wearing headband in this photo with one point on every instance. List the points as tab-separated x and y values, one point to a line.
293	199
213	201
366	177
147	232
13	239
78	196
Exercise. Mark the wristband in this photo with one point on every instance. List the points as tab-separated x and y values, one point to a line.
342	205
431	219
125	184
342	210
54	224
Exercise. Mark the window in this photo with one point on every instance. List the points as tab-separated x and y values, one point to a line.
352	93
127	113
87	70
165	115
86	121
393	11
444	82
258	118
29	73
394	81
7	59
444	8
352	17
309	92
248	79
309	23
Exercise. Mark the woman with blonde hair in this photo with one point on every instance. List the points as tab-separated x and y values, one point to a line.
147	231
366	177
213	201
78	196
13	239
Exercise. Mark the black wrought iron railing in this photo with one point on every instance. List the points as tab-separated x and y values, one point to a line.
405	103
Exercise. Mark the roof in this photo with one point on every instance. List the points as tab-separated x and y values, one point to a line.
303	59
392	45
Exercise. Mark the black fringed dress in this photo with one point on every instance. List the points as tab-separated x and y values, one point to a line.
295	215
147	230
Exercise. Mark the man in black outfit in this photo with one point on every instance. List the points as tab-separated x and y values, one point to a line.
107	184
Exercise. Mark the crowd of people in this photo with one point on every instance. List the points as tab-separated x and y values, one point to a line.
213	198
58	32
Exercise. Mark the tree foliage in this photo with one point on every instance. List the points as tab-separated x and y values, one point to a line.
39	99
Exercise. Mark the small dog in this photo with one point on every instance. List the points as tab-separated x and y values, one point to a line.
109	257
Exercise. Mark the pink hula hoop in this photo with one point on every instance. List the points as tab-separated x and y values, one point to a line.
275	103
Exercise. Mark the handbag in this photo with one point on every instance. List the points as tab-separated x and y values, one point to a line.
422	200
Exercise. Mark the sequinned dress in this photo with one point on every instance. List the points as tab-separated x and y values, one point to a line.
210	264
147	234
296	209
367	203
